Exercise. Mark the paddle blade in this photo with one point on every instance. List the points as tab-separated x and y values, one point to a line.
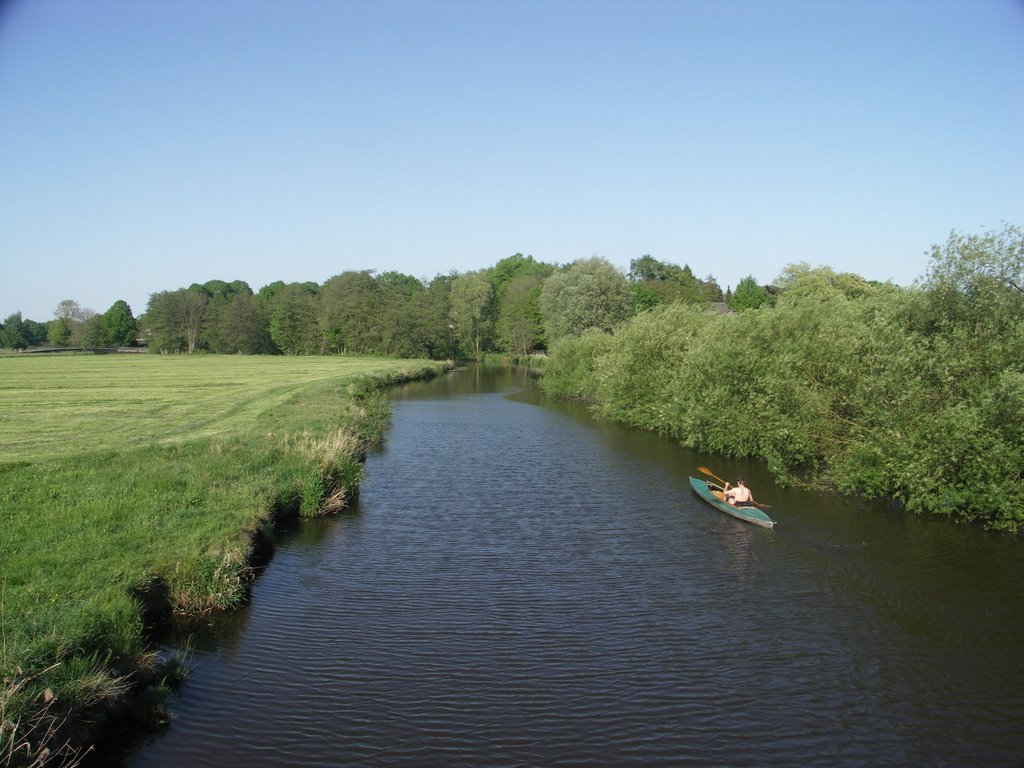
707	471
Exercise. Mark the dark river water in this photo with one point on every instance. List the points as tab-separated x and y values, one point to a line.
520	585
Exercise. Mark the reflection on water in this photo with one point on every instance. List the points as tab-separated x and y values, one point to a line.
523	585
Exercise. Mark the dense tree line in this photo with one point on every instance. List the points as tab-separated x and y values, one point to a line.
72	326
913	393
515	307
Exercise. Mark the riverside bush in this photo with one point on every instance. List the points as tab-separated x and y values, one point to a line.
912	393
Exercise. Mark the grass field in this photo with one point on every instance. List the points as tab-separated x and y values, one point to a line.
61	405
145	474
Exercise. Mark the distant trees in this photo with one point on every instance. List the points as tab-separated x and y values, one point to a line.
293	326
236	321
348	309
519	324
12	333
58	332
517	307
174	319
91	334
72	325
469	299
119	325
66	327
969	262
655	282
748	295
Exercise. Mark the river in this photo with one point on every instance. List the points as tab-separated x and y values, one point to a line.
522	585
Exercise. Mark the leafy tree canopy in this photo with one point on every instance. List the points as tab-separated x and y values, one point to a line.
12	332
968	261
589	293
120	327
656	282
748	295
799	282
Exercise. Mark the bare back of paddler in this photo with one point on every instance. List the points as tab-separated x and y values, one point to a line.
739	495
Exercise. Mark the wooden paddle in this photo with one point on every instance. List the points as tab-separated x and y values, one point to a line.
707	471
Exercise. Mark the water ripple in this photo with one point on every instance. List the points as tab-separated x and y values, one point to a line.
516	589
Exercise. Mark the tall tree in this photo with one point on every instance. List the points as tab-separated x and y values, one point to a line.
193	304
441	330
239	326
174	319
520	327
119	325
590	293
347	308
35	333
72	312
164	328
93	333
58	331
967	261
655	282
748	295
12	332
470	296
69	316
399	335
293	325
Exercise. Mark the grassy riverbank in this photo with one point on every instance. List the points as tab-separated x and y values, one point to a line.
151	479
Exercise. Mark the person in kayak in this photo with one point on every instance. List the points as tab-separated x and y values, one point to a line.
739	495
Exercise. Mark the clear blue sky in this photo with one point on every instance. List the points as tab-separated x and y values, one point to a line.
149	144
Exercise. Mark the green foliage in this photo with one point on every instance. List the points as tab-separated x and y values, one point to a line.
520	325
469	299
800	282
174	319
517	265
661	340
58	332
92	334
572	364
589	293
748	295
972	263
293	325
239	324
391	314
346	312
119	326
915	394
644	298
655	282
16	333
12	332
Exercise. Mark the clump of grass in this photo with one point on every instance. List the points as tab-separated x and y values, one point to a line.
207	582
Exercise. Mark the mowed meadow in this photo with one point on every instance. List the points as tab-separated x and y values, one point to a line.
54	405
134	485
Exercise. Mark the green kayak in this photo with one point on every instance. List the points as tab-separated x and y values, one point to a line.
712	494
